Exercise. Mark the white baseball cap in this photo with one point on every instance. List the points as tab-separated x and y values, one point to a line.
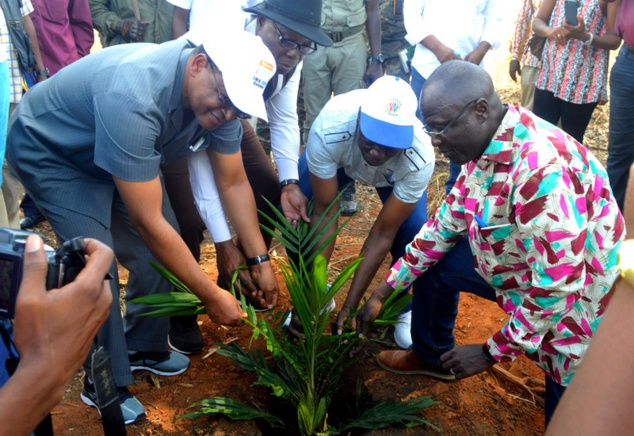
246	65
388	113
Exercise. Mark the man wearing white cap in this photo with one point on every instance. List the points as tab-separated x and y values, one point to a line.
291	31
373	136
87	145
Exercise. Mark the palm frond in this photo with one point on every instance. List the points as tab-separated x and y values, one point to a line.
170	304
167	275
230	408
393	412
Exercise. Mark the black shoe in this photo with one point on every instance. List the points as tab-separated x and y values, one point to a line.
31	221
185	336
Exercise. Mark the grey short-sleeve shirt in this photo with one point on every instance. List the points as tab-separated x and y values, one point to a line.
116	113
332	144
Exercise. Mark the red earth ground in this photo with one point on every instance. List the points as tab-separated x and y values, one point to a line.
484	404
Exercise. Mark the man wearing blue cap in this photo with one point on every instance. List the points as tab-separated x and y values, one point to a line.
373	136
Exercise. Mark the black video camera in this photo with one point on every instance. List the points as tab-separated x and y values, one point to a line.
64	265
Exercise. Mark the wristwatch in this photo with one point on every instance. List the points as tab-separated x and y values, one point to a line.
44	72
379	58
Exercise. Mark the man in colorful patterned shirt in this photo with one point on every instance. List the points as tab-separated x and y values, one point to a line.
532	211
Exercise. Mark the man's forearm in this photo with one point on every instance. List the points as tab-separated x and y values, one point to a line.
373	26
103	19
170	250
373	253
28	396
239	204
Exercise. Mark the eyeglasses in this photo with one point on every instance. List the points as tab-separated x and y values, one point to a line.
225	102
435	133
291	45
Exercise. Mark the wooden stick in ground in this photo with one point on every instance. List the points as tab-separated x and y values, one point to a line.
521	381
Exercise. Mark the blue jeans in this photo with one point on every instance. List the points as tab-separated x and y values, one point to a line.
621	130
406	232
454	169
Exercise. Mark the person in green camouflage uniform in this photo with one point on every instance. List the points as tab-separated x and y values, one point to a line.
117	24
393	38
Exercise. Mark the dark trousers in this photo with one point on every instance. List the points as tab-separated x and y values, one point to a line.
28	206
262	178
621	130
115	230
574	117
435	307
554	392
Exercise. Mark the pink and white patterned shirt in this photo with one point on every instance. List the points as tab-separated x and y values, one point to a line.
574	72
549	245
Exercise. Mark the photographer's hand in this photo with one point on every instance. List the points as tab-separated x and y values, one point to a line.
53	333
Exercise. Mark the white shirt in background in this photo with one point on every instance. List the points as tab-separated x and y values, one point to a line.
459	24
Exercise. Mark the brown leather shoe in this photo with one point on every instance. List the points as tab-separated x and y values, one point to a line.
406	362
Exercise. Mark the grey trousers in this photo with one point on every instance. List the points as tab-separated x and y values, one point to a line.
128	332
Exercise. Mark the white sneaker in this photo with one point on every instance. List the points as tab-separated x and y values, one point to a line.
403	330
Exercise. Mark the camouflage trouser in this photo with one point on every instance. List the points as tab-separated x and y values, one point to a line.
393	38
392	67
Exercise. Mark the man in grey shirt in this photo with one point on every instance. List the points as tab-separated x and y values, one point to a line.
373	136
87	145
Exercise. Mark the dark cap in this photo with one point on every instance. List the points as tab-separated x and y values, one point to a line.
300	16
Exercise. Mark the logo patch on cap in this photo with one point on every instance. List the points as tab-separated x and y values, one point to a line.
263	74
393	107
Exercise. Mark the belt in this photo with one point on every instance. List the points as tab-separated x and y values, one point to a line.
629	48
340	36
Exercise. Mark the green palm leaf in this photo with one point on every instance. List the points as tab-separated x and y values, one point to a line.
230	408
388	413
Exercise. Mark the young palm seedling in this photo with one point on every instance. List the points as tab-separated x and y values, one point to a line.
304	373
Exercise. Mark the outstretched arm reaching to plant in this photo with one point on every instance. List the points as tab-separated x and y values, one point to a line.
374	250
143	201
238	201
370	310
